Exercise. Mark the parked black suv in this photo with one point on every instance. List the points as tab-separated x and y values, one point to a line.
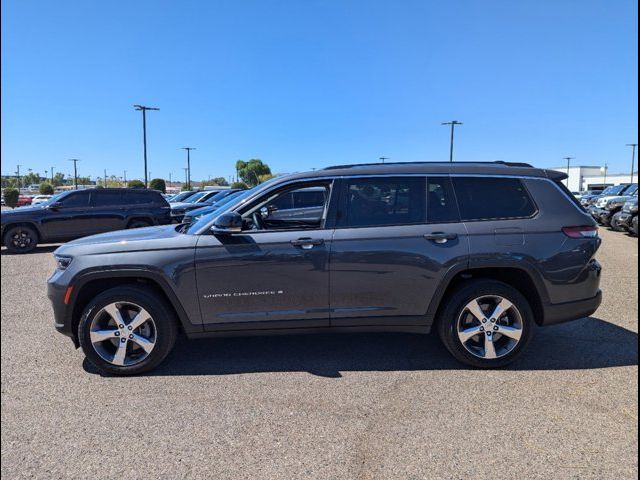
480	252
79	213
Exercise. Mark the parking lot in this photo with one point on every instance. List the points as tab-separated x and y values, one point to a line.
343	406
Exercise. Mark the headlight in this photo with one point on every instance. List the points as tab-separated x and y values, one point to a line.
62	261
611	204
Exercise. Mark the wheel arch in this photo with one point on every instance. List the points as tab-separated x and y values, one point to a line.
29	224
140	218
91	284
523	279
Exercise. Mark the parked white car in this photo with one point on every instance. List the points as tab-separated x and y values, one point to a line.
40	199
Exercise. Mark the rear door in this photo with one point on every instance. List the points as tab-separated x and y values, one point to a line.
395	240
107	209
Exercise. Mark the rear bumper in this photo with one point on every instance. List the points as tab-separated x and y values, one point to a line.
565	312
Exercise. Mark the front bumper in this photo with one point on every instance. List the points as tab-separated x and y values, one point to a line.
625	219
62	312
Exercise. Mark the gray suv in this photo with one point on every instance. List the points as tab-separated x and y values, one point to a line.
482	253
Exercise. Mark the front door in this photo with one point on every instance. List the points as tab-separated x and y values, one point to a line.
274	273
395	239
69	219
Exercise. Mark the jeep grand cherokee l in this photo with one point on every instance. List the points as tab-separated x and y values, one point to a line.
79	213
479	252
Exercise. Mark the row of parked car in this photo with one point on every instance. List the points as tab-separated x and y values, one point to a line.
615	207
79	213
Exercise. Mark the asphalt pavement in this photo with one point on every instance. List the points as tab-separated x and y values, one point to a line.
324	407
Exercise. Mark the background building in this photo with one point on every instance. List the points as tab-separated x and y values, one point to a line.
593	177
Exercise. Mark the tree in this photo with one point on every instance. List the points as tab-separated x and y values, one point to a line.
219	181
58	180
240	185
250	172
158	184
30	178
135	184
11	197
46	188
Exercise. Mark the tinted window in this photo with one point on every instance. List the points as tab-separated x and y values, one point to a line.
384	201
492	198
441	201
137	198
106	198
309	198
78	199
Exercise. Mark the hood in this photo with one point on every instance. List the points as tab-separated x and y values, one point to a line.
138	239
204	210
180	205
21	210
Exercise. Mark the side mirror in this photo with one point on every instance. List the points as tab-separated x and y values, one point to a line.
55	205
227	224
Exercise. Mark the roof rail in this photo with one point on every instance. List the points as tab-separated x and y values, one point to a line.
498	162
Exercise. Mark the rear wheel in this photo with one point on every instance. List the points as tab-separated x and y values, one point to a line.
127	330
486	324
21	239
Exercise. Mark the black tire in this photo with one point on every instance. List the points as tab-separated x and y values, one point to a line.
634	226
454	307
605	221
21	239
166	328
615	223
138	224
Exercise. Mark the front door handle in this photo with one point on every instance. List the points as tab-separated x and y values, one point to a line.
307	243
440	237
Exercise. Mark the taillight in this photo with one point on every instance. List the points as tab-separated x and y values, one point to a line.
581	232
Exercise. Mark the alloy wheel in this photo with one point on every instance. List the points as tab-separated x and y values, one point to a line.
21	239
123	333
490	327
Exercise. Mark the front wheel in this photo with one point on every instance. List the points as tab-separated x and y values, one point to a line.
615	223
486	324
127	330
634	226
21	239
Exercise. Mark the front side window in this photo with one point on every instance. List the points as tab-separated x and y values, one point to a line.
486	198
281	211
137	198
75	200
372	202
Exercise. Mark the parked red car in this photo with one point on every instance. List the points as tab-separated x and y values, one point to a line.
24	200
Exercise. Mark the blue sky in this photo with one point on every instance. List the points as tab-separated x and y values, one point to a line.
306	84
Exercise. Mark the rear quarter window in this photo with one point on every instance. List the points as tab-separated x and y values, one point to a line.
485	198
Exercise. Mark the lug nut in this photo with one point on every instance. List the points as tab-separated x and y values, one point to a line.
123	340
493	320
130	336
130	327
482	329
117	334
121	326
495	328
488	334
484	320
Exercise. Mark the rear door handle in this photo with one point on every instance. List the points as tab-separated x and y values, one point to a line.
440	237
307	243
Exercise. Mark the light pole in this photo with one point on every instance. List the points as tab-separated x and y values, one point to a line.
382	159
568	159
18	174
188	149
453	124
604	170
125	178
633	158
186	170
52	176
169	178
75	172
144	109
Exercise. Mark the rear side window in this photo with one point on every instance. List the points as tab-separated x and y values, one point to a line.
374	202
138	198
441	201
482	198
106	198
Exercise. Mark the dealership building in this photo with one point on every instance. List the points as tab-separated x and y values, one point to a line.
583	178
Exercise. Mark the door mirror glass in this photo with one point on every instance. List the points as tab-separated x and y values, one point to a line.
227	224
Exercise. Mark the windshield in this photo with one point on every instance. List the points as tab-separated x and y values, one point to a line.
613	190
54	198
195	197
180	197
230	202
633	190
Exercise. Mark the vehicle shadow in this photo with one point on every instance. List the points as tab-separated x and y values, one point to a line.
38	249
589	343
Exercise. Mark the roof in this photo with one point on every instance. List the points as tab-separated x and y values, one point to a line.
443	168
